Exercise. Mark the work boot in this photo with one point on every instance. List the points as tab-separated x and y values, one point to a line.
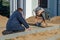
5	32
15	31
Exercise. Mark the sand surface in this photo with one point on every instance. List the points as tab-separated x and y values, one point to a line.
3	21
51	22
37	36
58	39
55	20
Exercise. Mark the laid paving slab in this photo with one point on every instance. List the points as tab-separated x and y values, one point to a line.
37	30
54	37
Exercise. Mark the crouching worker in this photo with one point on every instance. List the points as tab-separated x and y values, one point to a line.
39	17
15	22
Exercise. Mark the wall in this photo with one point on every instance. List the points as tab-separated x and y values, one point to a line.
52	6
30	5
20	4
26	5
34	5
13	6
58	7
28	8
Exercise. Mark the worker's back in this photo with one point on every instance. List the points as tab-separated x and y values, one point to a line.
15	22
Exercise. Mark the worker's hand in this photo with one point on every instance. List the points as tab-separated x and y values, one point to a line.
28	29
44	25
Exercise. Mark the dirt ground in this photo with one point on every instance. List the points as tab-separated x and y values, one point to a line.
31	20
3	21
37	36
58	39
54	20
1	31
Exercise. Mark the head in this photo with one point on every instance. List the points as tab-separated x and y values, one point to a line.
20	9
40	11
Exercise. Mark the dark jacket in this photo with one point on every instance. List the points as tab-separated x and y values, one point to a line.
15	21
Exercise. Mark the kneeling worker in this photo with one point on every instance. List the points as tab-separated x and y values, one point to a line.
15	22
40	19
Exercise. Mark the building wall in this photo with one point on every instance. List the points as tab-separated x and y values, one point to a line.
20	4
58	7
28	8
13	6
52	6
26	5
29	5
34	4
